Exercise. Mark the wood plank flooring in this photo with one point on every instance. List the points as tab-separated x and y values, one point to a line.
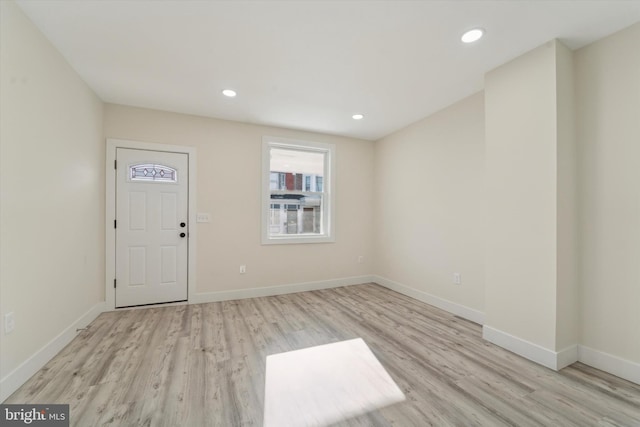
204	365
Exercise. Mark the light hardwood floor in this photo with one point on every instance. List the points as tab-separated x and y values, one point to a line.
204	365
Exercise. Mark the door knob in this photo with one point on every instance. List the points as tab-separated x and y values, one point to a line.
182	234
182	224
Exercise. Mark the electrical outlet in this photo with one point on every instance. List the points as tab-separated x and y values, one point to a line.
457	279
243	269
360	259
9	323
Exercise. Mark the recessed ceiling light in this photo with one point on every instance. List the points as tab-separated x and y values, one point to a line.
472	35
357	117
230	93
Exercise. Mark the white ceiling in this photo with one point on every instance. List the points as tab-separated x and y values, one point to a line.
308	64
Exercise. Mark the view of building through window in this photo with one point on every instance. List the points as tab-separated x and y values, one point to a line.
296	191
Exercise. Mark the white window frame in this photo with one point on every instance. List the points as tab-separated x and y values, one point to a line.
328	206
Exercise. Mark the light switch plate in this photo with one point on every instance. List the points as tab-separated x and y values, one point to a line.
9	323
203	217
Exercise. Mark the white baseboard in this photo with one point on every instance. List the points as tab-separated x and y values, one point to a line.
452	307
555	360
567	356
614	365
13	380
277	290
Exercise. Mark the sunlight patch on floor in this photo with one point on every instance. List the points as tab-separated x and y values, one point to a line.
321	385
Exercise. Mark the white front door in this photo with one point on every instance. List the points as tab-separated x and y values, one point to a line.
152	230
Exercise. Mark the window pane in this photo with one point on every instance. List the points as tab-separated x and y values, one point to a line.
295	170
296	163
274	181
295	214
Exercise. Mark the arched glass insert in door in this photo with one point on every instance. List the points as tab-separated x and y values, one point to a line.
151	172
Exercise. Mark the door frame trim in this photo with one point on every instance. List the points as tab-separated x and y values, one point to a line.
110	212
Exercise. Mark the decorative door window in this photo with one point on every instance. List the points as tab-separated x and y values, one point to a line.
150	172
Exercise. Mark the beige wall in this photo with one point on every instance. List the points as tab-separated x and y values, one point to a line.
567	285
228	187
52	180
430	204
520	101
608	111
